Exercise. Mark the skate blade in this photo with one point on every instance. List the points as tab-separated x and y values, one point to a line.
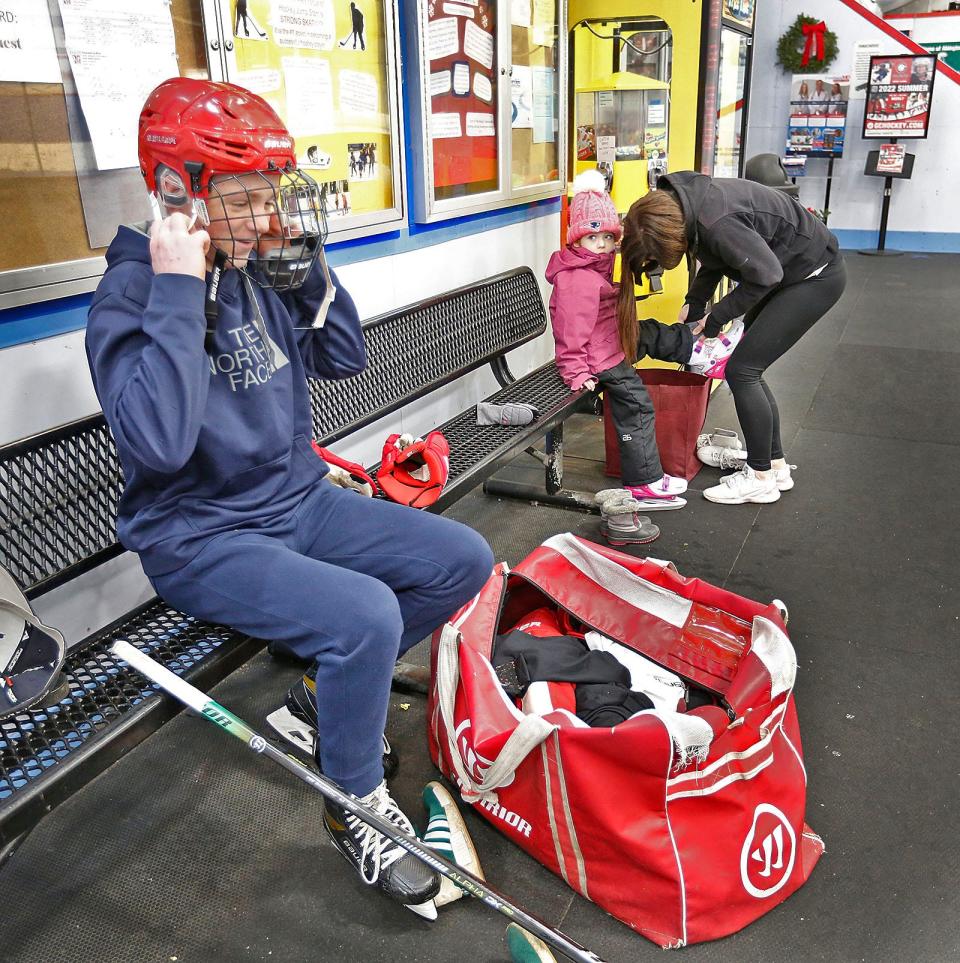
526	948
284	723
427	910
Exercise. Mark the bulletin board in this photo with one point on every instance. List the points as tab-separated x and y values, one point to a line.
326	67
462	51
40	197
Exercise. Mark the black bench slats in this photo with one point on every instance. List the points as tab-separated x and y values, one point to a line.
59	492
417	349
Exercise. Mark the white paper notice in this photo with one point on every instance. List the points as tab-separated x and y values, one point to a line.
118	54
440	83
309	91
482	88
656	113
544	22
27	49
445	125
480	125
478	44
461	79
520	13
458	10
521	96
303	23
358	92
862	52
260	81
444	37
544	105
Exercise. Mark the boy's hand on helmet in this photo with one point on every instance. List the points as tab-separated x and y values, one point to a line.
177	247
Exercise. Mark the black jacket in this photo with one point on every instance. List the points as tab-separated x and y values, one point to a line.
755	235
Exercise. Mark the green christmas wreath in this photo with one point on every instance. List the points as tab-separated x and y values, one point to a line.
792	44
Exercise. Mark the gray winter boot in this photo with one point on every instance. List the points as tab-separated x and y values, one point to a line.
619	522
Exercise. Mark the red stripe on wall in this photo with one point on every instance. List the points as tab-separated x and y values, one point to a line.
901	38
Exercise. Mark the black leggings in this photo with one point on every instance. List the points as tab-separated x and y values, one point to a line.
774	326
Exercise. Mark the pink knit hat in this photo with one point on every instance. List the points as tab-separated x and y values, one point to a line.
591	210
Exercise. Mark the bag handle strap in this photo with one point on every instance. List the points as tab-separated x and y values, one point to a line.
8	605
529	733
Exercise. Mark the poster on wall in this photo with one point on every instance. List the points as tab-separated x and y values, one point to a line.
818	115
739	13
946	50
459	45
28	53
321	64
117	57
899	94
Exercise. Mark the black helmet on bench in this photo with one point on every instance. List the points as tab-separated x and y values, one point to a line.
768	169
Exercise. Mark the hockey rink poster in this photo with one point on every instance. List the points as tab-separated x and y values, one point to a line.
899	95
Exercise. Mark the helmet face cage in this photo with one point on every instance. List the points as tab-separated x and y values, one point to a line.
289	222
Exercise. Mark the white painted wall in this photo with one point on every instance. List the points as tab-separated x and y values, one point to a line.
47	383
944	27
927	203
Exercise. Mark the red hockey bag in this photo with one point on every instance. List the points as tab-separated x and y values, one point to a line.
685	825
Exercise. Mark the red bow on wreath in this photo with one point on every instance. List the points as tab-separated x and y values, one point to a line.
814	33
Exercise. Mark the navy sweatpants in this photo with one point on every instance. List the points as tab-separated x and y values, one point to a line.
350	582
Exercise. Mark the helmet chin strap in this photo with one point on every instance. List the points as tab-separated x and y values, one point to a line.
211	308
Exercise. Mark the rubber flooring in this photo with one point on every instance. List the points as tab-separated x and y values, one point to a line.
191	849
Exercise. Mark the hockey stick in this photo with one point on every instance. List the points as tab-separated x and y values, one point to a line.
216	713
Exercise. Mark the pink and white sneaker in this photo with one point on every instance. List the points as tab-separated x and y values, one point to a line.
709	356
666	487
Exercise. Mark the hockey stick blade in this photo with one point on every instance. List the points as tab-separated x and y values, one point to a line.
201	703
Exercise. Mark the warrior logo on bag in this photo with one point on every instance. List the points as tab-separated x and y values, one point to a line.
766	860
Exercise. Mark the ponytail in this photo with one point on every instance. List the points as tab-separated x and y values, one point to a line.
627	311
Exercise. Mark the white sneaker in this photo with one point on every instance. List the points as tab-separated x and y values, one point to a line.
784	478
742	487
721	448
710	355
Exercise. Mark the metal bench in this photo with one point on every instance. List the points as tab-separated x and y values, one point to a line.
58	502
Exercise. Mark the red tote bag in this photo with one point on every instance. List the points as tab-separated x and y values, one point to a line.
680	401
686	826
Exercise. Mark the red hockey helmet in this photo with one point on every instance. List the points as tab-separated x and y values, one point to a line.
201	140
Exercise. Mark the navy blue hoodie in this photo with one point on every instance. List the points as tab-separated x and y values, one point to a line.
209	443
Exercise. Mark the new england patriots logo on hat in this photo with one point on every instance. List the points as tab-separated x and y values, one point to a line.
594	225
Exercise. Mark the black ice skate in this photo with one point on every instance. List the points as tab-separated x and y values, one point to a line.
296	721
380	861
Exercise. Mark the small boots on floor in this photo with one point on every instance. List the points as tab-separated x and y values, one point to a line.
620	523
447	833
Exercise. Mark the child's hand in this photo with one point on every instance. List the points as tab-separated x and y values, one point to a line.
700	325
684	311
590	384
176	247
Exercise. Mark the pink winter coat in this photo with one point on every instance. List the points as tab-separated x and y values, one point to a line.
583	309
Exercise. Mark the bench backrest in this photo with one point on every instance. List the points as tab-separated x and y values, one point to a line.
59	490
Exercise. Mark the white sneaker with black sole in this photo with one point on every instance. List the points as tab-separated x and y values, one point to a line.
742	487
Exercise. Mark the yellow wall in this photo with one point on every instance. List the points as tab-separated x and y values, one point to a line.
593	58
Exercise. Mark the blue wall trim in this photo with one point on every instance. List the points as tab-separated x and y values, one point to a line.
49	318
926	242
35	321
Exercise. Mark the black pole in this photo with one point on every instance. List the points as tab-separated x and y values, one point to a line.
826	196
885	212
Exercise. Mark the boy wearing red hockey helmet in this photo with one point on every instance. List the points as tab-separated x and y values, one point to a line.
201	337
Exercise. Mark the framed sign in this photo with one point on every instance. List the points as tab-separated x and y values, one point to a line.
899	95
818	115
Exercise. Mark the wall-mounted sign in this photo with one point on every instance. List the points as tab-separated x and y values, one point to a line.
899	95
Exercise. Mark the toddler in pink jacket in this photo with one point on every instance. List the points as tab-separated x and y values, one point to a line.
583	310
